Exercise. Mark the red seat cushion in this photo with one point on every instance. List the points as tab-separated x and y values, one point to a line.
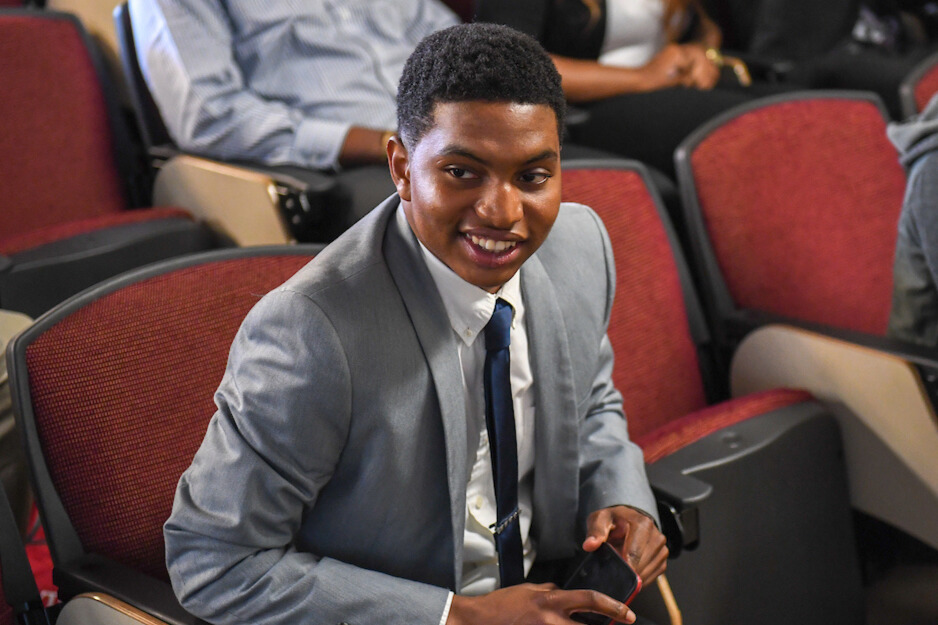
692	427
56	232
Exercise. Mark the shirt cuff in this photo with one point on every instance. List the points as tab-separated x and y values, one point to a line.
449	603
318	142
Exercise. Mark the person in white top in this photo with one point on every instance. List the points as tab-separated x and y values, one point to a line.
647	71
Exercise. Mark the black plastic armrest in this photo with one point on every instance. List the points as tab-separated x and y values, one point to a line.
92	572
678	497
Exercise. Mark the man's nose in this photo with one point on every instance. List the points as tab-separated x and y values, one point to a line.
501	205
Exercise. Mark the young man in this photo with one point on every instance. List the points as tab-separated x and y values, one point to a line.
347	475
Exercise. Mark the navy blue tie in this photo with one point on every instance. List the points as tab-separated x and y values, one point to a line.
503	444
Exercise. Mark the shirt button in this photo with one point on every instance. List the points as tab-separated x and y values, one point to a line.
478	502
468	333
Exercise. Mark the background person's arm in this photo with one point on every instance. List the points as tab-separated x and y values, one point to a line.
186	54
586	81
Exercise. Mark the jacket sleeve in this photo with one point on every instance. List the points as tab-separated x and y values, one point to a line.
186	54
282	421
612	467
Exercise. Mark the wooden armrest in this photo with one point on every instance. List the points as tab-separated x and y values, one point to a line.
888	422
102	609
240	203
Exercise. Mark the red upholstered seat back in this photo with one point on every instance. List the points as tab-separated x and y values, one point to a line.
56	144
122	393
800	199
656	366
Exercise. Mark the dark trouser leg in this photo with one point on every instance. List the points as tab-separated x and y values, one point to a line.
649	126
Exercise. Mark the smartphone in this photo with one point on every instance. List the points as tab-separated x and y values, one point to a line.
604	570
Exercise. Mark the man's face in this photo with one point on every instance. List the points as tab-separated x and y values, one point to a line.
481	189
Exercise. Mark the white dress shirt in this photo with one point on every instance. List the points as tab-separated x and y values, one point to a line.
469	309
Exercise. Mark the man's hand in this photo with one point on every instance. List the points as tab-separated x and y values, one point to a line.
633	535
534	604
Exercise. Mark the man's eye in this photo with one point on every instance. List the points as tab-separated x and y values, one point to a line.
460	173
535	177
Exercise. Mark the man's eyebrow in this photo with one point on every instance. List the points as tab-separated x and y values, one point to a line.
455	150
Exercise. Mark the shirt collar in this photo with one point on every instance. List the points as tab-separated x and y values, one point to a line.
469	307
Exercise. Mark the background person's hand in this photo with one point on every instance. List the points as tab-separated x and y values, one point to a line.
634	535
534	604
669	68
703	72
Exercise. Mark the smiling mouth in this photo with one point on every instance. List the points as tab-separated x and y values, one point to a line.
491	245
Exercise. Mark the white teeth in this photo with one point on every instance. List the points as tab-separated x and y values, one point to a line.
492	245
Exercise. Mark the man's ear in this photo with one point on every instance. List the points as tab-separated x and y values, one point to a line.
399	162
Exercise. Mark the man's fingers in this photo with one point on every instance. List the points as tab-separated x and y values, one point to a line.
592	601
653	559
598	526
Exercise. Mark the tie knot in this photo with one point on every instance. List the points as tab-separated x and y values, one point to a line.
498	329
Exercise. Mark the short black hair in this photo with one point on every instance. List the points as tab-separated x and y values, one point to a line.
474	62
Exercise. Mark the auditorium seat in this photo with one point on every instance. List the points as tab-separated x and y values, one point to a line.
792	204
919	86
70	176
113	391
775	531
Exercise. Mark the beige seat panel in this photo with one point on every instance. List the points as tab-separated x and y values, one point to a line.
889	426
101	609
11	323
240	203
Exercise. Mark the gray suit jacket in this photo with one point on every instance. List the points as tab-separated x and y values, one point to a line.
331	484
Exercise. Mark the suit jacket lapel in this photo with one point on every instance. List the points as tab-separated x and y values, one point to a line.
556	432
435	334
